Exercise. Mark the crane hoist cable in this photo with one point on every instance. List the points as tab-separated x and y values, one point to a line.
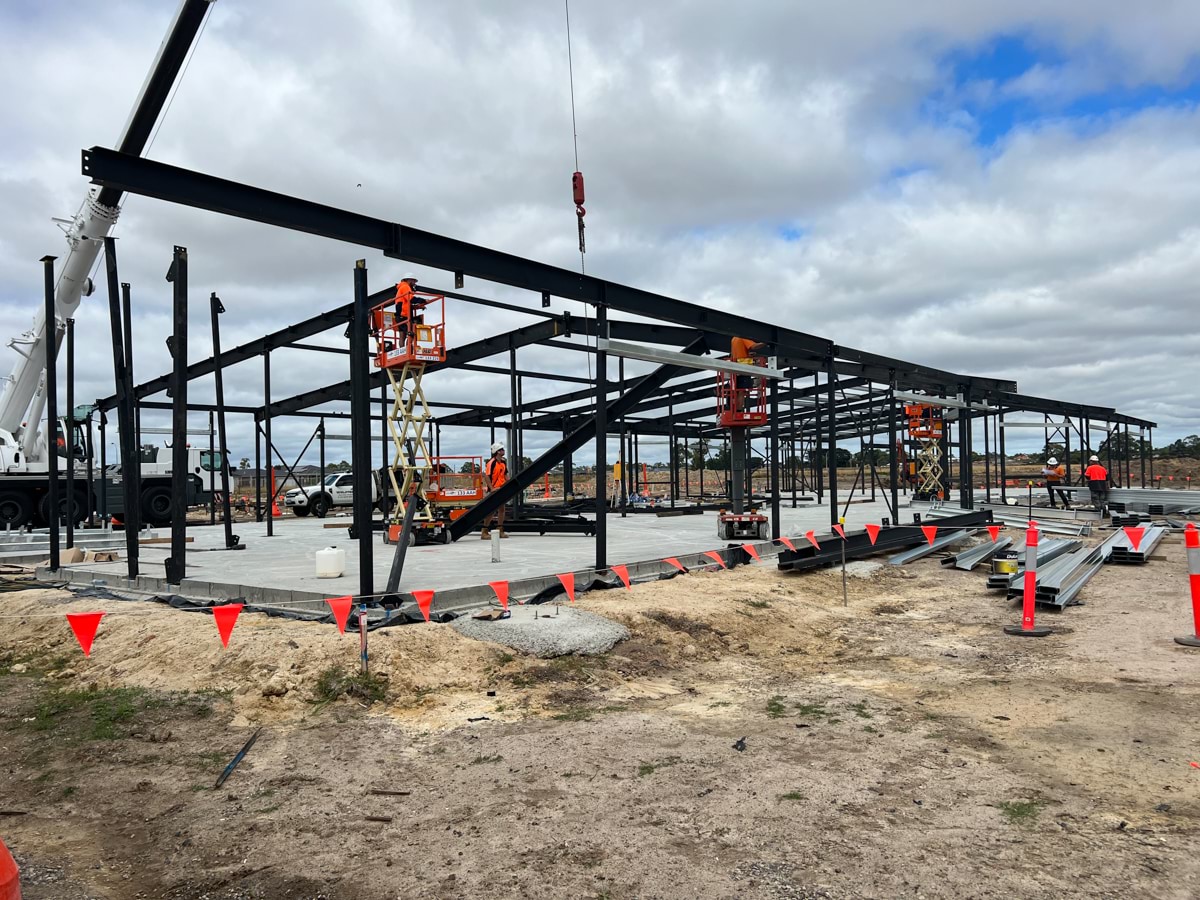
577	190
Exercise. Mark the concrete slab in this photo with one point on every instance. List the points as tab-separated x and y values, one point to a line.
547	630
282	568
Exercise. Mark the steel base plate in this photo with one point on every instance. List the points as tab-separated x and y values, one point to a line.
1036	631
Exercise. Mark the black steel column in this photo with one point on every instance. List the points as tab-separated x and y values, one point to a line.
1142	454
987	460
1067	448
623	496
893	461
257	471
384	413
51	408
1150	452
212	473
129	460
831	456
966	491
360	428
818	439
215	308
102	425
176	564
127	326
1128	461
321	445
568	486
70	435
774	460
601	440
269	510
673	470
91	475
1003	459
514	459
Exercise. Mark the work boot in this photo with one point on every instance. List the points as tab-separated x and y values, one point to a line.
485	535
503	533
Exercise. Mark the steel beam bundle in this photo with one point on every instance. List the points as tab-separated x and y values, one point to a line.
940	543
1048	550
1060	582
1015	520
969	559
1154	502
857	544
1121	547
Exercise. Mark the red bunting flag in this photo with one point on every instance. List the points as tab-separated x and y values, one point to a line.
424	602
812	539
225	616
753	553
840	530
568	583
340	607
787	542
994	531
84	625
501	589
676	563
930	532
1135	536
872	533
623	573
715	557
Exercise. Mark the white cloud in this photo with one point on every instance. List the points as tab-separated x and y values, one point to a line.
1064	257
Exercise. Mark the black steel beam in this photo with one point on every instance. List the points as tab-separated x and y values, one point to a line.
254	349
575	440
529	334
110	168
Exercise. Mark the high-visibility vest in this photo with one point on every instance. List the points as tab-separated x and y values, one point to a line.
497	472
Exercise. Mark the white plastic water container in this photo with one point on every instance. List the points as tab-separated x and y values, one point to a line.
331	562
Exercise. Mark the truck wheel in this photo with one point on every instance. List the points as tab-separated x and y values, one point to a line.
15	509
78	509
319	506
301	511
156	506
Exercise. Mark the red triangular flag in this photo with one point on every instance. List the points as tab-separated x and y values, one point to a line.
424	602
754	553
84	625
787	542
812	539
568	583
340	607
676	563
872	533
715	557
1135	536
994	531
501	589
225	616
840	530
930	532
623	574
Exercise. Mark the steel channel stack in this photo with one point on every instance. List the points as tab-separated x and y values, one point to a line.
969	559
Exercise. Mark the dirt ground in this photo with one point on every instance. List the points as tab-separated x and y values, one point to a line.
754	738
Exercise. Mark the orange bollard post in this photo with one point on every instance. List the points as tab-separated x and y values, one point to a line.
1027	628
1191	540
10	881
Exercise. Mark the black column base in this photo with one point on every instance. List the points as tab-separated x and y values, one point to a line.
1036	631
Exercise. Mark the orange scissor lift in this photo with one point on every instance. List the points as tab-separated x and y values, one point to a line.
925	426
407	338
741	405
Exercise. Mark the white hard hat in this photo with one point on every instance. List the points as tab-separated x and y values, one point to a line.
409	276
1052	461
1094	459
497	447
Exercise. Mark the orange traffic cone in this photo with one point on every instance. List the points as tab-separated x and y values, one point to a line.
10	882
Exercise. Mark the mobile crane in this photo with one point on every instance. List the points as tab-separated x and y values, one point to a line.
29	458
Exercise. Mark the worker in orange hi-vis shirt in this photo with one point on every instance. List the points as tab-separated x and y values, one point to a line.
1054	472
495	474
1097	478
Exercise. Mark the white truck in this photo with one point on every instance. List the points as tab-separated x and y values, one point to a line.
337	490
27	462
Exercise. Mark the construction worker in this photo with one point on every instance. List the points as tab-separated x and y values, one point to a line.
1097	478
408	305
1054	474
495	474
743	350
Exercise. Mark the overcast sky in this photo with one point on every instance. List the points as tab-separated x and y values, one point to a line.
998	189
